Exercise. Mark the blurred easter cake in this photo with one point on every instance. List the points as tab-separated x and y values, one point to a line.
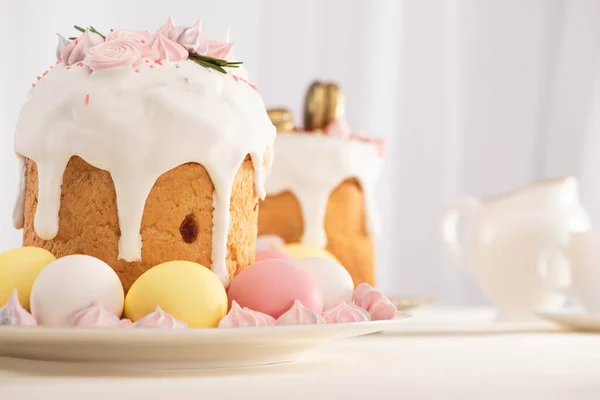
321	191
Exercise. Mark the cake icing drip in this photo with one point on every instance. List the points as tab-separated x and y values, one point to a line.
299	315
239	317
14	314
159	319
332	160
138	123
96	316
345	312
375	302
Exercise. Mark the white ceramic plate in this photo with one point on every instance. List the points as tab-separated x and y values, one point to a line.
573	319
180	348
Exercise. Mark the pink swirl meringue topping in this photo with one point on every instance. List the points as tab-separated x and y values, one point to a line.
77	49
96	316
239	317
159	319
14	314
163	48
345	312
116	53
190	37
375	302
299	315
269	242
219	49
138	37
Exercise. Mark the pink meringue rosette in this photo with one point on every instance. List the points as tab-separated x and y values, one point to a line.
96	316
239	317
14	314
76	50
299	315
112	54
159	319
345	312
138	37
375	302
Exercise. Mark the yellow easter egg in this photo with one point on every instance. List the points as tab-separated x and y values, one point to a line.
301	250
19	268
188	291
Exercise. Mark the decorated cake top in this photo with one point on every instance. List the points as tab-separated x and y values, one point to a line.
138	105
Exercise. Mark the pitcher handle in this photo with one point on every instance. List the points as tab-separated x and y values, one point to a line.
553	264
450	224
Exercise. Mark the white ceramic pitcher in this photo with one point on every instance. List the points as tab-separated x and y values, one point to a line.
504	236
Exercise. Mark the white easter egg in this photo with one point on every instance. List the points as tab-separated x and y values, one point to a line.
72	283
333	278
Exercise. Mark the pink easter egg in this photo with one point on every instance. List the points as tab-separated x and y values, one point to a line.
271	286
272	254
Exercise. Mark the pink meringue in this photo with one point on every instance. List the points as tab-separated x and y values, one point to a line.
299	315
163	48
62	45
14	314
190	37
76	51
345	312
166	28
116	53
269	242
138	37
220	50
96	316
125	323
338	128
239	317
159	319
375	302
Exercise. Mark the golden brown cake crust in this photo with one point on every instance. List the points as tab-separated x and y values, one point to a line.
347	236
88	222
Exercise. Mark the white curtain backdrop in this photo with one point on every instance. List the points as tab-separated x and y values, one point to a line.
474	96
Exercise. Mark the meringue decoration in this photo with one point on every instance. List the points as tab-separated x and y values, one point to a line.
96	316
299	315
116	53
159	319
76	51
166	28
138	37
239	317
375	302
125	323
220	50
62	45
345	312
14	314
163	48
190	37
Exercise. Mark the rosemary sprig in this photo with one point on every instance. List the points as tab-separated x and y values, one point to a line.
213	63
90	28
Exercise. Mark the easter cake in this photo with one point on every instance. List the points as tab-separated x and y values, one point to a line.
329	200
143	159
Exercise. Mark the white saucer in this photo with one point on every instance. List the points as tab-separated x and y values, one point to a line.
178	348
573	319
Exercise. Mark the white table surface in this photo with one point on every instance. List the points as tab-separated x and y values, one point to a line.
441	353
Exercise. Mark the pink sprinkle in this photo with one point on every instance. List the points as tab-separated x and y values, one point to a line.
152	66
52	66
33	85
39	77
69	67
147	60
159	62
137	70
87	99
59	61
235	78
76	41
143	41
45	72
80	64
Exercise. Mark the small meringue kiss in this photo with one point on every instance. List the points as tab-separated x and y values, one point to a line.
14	314
159	319
239	317
345	312
96	316
375	302
299	315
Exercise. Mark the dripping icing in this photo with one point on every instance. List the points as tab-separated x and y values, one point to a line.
312	166
139	126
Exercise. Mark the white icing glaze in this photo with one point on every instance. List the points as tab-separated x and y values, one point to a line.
137	126
311	166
